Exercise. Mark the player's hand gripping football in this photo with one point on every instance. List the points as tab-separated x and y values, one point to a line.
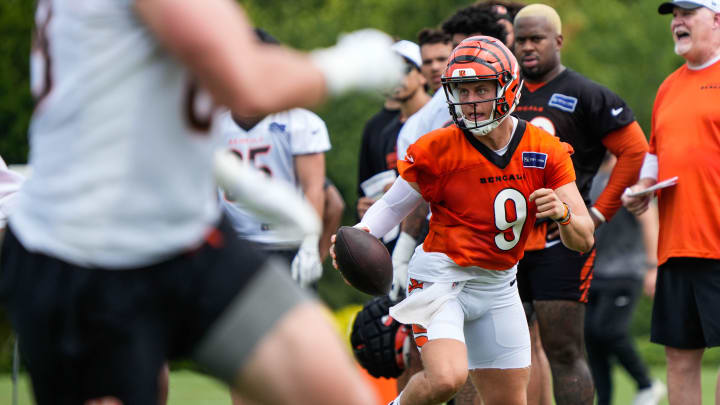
333	238
306	266
548	204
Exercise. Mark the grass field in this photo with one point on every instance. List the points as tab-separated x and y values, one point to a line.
188	388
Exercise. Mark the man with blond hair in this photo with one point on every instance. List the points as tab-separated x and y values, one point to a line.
553	280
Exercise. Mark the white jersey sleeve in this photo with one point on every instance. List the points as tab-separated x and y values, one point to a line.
433	115
309	133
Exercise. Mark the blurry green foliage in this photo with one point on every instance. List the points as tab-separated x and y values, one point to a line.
16	23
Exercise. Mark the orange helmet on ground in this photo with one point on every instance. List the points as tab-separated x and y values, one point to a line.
482	58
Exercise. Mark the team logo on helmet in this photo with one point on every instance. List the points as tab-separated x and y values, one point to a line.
482	58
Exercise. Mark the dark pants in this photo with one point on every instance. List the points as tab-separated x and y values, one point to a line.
607	321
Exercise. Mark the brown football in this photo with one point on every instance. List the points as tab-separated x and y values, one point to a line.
363	260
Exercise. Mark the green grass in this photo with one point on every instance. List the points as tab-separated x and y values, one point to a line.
186	388
625	387
189	388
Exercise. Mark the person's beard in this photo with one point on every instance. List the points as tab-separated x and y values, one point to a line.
534	74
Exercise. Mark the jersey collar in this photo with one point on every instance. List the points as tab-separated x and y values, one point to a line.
500	161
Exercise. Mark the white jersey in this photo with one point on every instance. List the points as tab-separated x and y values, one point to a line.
121	156
433	115
270	146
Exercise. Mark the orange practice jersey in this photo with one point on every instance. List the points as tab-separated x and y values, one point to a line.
686	139
481	215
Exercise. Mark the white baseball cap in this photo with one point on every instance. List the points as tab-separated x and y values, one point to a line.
408	50
669	6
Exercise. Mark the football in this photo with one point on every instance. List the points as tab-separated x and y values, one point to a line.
363	260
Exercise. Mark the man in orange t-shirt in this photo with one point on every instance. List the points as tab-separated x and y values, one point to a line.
487	178
685	142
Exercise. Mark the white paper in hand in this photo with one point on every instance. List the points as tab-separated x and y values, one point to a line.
374	187
663	184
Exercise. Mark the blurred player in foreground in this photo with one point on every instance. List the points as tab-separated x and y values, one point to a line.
116	257
487	178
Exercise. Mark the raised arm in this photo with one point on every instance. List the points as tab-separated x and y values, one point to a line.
214	39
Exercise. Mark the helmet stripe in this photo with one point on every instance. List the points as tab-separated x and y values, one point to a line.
470	58
507	57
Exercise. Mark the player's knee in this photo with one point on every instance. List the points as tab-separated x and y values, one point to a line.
563	355
446	384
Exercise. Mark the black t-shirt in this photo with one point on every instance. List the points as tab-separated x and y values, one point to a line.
579	112
377	152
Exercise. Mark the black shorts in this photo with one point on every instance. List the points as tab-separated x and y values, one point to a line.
87	333
555	273
687	299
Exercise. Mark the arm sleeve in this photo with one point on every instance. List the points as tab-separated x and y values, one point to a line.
628	144
391	209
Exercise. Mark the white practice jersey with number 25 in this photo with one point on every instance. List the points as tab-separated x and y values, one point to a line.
119	142
271	146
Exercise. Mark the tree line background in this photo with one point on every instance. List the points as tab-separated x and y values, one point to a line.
623	44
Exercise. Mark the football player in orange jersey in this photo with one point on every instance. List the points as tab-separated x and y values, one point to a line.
684	142
487	179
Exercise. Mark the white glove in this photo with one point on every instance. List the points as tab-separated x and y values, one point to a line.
404	248
361	60
306	266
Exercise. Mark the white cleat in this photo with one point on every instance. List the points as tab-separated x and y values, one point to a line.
651	395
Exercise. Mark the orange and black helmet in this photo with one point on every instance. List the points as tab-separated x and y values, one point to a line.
482	58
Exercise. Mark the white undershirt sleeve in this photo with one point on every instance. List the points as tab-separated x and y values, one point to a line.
650	167
393	207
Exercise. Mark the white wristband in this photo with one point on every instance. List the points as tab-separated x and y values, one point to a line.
598	214
650	167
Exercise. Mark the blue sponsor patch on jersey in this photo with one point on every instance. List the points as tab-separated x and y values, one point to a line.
534	159
563	102
277	127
